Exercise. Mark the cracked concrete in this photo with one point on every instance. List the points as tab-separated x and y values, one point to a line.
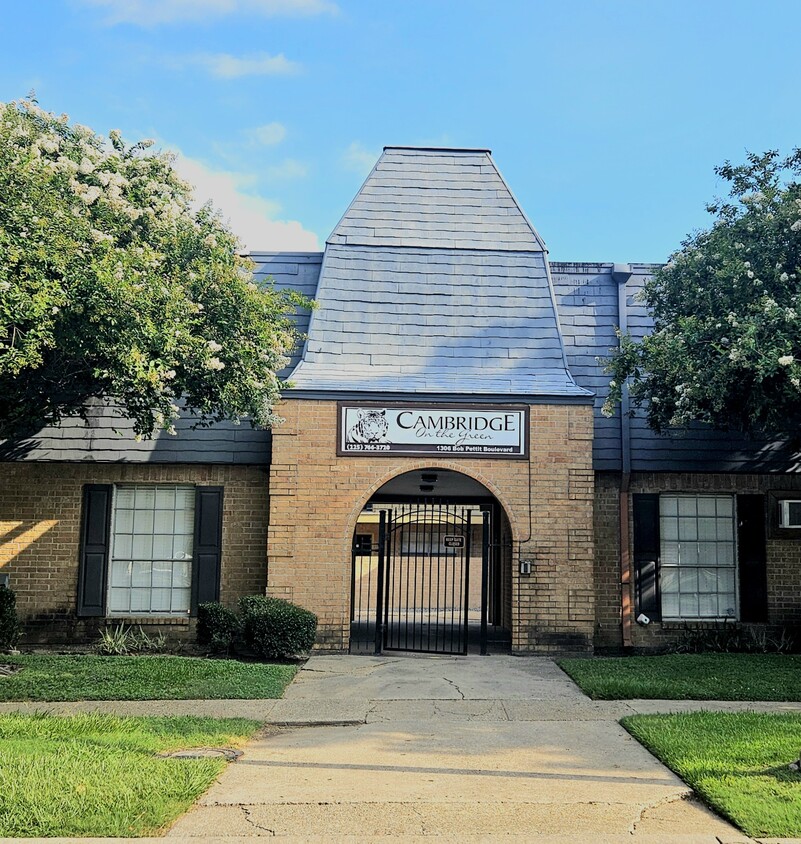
457	689
484	819
247	814
461	749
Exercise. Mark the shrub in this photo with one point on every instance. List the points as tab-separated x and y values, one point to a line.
217	627
121	640
731	637
276	629
114	641
10	629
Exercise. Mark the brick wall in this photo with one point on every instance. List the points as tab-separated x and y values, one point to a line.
40	513
783	553
606	518
316	498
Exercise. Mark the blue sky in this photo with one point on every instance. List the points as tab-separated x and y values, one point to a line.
606	118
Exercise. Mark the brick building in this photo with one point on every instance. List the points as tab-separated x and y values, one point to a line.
443	481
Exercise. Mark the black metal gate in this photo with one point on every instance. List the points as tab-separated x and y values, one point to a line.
411	581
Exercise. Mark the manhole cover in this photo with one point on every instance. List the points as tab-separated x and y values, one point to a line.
204	753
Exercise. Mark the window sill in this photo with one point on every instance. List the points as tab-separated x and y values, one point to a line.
152	620
674	623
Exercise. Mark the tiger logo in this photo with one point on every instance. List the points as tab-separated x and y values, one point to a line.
372	427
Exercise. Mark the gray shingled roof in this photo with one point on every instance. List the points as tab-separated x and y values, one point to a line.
434	281
298	271
108	438
587	298
447	199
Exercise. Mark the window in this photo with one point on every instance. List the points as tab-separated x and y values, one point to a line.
437	540
697	577
152	538
790	513
426	541
149	549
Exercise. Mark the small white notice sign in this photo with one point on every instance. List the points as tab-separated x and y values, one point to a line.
453	541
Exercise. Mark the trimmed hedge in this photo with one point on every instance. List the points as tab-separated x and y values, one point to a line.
276	629
217	627
269	628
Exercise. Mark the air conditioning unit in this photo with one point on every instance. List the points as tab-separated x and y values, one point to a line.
791	513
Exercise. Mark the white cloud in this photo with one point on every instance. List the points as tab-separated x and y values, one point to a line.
251	217
154	12
269	134
359	159
227	66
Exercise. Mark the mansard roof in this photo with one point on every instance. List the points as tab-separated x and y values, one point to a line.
435	282
437	198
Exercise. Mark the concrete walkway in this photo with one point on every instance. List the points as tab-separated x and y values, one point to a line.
465	749
462	749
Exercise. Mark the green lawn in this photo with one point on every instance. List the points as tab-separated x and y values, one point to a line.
97	775
83	677
737	762
689	677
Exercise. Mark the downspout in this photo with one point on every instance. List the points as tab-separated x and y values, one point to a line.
621	273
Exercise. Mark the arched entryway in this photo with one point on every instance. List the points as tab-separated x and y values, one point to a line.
431	567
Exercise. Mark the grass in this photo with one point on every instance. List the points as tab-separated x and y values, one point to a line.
689	677
97	775
737	762
82	677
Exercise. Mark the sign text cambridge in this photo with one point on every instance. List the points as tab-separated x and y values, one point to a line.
454	430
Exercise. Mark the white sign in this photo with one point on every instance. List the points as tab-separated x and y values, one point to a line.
472	431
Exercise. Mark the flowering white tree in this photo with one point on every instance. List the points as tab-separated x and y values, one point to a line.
112	286
726	344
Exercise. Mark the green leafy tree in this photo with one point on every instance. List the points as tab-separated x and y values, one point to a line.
113	287
726	345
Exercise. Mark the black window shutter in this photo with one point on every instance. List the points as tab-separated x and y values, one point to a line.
751	558
94	550
208	545
646	556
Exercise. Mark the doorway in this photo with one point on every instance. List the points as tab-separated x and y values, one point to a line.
431	573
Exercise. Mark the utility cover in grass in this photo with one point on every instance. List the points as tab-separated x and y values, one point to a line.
227	753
